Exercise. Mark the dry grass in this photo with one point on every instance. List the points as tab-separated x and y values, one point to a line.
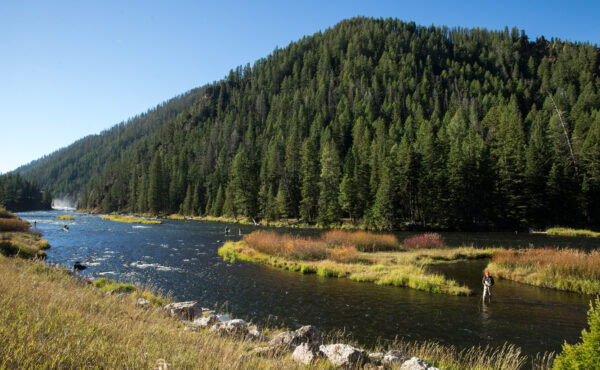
343	254
65	217
13	224
26	245
564	269
131	220
285	245
424	241
565	231
361	240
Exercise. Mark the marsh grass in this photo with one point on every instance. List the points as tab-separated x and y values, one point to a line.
285	245
563	269
23	244
406	269
361	240
424	241
131	220
565	231
13	224
65	217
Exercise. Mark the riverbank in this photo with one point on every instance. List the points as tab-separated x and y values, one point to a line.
120	332
565	231
563	269
16	239
404	268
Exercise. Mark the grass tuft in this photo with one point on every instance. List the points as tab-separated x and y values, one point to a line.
424	241
65	217
361	240
131	220
565	231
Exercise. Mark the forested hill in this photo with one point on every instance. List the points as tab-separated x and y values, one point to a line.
385	122
67	171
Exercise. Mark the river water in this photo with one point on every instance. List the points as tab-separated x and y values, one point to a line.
180	259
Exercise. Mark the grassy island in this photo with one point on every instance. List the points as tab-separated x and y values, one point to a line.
565	231
358	256
65	217
564	269
131	220
17	239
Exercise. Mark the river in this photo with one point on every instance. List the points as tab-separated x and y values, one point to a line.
179	258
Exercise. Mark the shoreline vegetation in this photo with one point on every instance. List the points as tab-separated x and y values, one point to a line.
565	231
131	219
16	239
73	335
66	217
563	269
358	256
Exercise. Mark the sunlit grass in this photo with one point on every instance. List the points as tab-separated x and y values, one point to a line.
563	269
65	217
361	240
131	219
565	231
424	241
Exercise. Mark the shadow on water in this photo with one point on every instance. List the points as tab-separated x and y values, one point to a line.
180	257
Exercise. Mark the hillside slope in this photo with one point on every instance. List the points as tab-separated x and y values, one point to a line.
385	122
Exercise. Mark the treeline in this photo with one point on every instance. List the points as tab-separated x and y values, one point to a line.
385	122
18	194
67	171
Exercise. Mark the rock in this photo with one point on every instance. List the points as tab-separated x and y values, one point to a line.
376	357
192	328
143	303
205	322
256	335
231	327
184	310
306	334
392	358
304	354
416	363
343	354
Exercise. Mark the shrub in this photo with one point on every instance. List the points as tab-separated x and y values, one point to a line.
286	245
424	241
584	355
361	240
343	254
13	224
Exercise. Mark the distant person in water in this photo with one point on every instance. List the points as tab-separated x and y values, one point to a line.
488	283
226	230
35	224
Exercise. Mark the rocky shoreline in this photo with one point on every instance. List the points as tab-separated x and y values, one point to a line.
305	344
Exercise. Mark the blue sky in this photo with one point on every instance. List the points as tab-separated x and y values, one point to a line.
74	68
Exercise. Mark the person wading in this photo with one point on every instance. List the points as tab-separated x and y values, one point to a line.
488	283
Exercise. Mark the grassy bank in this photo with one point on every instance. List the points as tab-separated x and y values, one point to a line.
563	269
565	231
406	268
50	319
16	238
65	217
131	219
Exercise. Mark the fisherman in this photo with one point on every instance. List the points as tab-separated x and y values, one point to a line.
35	224
226	230
488	283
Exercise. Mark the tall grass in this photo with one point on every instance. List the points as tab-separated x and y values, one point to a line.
565	231
65	217
424	241
564	269
285	245
361	240
131	220
13	224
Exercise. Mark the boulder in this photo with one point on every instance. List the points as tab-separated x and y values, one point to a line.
143	303
306	334
192	328
304	354
376	357
343	354
184	310
284	339
416	363
392	358
231	327
207	321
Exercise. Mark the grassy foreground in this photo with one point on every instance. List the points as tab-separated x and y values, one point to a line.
565	231
49	319
131	220
406	268
564	269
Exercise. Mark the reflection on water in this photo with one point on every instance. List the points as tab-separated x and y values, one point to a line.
179	257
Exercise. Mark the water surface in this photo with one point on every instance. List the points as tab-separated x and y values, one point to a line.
180	258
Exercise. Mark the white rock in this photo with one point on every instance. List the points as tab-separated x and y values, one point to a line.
343	354
207	321
392	358
189	310
416	363
304	354
237	326
143	303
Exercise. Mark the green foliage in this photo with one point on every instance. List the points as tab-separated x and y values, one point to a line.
381	121
19	194
584	355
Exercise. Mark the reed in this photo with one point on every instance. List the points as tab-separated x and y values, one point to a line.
65	217
424	241
563	269
285	245
361	240
565	231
